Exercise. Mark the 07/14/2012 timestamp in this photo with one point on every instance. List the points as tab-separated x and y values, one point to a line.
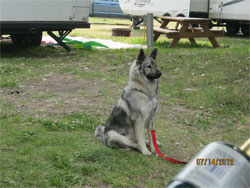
214	161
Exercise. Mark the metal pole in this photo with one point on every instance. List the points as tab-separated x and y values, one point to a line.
149	23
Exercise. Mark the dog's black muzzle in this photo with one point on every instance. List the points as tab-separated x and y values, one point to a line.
156	75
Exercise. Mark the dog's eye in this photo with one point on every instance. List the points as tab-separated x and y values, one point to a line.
149	66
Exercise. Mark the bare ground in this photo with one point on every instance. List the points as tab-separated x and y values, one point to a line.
56	95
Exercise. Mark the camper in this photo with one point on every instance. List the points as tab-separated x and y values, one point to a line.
25	20
138	8
232	14
173	8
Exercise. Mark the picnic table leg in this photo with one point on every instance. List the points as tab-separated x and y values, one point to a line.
163	25
156	35
183	28
213	42
192	41
211	39
174	42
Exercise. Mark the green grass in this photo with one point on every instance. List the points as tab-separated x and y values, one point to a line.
51	102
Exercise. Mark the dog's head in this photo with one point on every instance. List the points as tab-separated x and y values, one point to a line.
147	65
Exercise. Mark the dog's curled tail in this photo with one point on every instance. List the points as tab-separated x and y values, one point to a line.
99	132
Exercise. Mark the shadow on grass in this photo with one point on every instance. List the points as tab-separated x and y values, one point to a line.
12	50
199	44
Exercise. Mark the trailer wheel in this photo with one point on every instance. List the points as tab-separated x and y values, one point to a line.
167	15
245	29
27	38
36	38
136	21
232	28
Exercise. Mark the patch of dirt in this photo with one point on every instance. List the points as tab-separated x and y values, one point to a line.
172	110
56	95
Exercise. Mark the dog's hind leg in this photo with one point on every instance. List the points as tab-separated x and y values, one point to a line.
114	139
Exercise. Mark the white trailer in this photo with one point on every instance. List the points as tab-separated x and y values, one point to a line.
25	20
173	8
233	14
138	8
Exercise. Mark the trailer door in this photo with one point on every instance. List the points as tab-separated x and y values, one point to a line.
230	9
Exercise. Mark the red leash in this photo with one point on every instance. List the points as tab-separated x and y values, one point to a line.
159	152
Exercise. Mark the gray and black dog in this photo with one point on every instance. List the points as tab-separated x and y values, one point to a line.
136	109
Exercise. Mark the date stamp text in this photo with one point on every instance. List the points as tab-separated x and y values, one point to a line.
214	161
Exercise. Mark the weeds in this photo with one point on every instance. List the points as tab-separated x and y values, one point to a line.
70	123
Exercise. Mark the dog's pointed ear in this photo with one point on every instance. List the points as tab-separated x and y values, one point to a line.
140	57
154	54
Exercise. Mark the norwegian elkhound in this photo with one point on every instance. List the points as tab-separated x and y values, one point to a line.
136	109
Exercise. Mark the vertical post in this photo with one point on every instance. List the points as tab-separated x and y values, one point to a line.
149	23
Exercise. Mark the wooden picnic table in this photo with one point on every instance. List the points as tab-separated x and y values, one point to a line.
190	28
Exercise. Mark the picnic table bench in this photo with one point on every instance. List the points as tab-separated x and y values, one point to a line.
190	28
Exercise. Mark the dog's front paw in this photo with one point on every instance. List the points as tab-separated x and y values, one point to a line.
152	149
146	152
